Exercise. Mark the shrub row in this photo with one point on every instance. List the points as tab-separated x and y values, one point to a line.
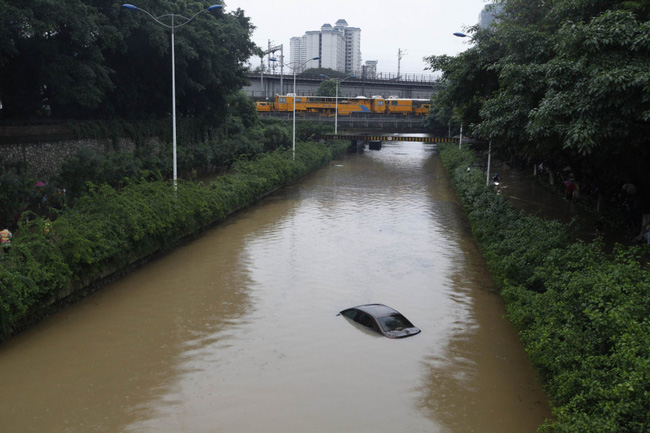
583	315
107	231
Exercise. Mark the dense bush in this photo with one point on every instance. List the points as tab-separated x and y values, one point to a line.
583	315
15	189
203	151
107	230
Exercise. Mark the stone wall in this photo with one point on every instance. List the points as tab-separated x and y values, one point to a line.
42	149
43	160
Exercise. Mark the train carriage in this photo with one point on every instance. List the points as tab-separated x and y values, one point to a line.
346	106
357	105
378	105
264	106
398	106
421	107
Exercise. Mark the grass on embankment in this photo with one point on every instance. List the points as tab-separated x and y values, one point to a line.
583	315
108	231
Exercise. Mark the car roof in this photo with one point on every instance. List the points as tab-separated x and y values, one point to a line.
377	310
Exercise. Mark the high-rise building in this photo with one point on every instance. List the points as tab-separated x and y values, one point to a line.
338	47
489	15
352	37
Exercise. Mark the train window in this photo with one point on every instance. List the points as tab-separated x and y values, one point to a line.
283	100
393	102
380	102
298	99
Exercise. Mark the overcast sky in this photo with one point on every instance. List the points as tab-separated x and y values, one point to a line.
419	27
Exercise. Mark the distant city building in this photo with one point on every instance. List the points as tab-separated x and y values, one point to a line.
332	48
298	48
489	15
338	47
370	69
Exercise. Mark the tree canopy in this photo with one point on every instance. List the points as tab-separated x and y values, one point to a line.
317	72
328	88
561	80
77	59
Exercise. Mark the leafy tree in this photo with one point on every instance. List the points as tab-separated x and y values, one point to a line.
52	57
467	80
12	20
440	117
327	88
563	81
599	88
84	59
15	190
210	53
317	72
242	107
276	137
89	167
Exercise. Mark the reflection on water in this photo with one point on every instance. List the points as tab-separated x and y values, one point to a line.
237	331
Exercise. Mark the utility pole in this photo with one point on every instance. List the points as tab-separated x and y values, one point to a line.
400	54
271	50
262	76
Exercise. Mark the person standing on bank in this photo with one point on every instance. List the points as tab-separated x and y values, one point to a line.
5	240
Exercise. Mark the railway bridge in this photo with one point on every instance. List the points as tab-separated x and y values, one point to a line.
355	121
266	86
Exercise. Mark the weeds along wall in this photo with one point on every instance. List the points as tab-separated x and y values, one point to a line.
43	160
582	315
109	231
41	149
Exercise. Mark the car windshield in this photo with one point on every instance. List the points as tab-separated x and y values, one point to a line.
394	322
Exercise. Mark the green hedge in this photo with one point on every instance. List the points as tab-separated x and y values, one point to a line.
107	230
582	314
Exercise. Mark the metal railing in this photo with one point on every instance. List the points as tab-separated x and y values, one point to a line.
379	77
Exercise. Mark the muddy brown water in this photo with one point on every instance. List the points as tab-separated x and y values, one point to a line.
237	331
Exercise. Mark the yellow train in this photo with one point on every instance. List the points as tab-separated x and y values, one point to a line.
346	106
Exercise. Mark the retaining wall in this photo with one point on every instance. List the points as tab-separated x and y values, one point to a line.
42	149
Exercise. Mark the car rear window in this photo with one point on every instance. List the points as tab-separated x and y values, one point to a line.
367	320
397	321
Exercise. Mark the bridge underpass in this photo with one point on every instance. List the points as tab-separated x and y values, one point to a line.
368	128
375	141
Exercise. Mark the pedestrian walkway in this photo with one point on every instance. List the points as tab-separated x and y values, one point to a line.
528	194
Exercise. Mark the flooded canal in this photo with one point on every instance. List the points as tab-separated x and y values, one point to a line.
237	331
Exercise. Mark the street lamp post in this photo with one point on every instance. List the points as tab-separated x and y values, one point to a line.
460	141
293	68
172	26
336	96
487	178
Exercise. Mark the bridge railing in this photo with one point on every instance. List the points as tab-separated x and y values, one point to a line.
380	77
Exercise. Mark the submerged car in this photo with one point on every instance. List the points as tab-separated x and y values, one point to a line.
381	319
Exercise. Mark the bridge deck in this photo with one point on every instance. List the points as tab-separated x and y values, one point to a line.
390	138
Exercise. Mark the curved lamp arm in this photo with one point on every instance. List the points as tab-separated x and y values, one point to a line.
173	16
